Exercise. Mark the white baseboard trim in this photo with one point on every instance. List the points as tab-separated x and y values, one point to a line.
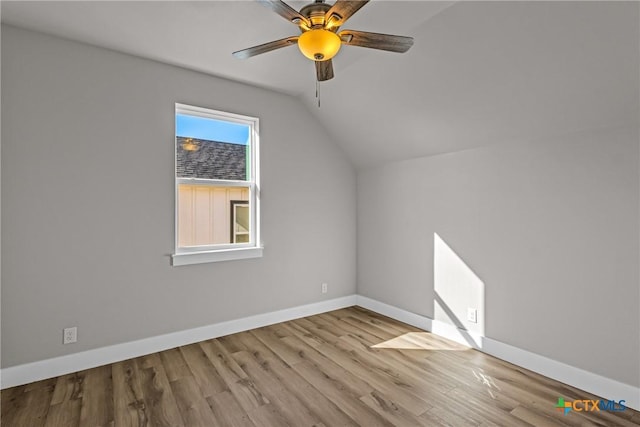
576	377
49	368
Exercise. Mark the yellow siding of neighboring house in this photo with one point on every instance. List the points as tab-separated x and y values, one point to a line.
204	213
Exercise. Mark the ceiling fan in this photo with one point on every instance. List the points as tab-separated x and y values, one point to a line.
319	39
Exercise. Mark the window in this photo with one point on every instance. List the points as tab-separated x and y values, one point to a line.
239	221
217	200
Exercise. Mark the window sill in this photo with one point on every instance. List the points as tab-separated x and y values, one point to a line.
215	256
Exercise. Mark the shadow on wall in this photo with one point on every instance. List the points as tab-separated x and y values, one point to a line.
459	294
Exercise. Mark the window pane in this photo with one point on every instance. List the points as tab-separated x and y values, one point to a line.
212	149
213	215
240	221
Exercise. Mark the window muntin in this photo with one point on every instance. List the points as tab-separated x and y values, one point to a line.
216	181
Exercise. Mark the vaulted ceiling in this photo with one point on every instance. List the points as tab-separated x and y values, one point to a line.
479	73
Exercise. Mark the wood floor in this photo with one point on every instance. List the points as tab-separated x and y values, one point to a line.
344	368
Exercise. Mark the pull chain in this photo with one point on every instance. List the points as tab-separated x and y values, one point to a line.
318	92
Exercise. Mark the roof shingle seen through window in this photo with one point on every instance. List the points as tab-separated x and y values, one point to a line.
212	160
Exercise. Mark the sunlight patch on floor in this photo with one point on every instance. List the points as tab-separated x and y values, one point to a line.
418	341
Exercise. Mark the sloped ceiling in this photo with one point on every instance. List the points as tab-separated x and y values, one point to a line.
479	73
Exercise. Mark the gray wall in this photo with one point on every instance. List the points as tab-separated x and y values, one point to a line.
549	227
88	202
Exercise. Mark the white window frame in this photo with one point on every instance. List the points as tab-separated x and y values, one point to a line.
233	251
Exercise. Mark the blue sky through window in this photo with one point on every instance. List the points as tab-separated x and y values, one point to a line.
211	130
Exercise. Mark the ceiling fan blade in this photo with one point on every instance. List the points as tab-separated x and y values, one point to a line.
376	41
267	47
343	9
286	11
324	70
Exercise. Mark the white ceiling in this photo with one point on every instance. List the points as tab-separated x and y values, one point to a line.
479	73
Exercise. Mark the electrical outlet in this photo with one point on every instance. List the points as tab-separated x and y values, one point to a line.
472	315
324	288
70	335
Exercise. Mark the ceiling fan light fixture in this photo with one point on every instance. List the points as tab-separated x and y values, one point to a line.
319	44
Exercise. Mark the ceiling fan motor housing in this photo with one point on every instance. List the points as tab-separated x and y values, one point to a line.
315	13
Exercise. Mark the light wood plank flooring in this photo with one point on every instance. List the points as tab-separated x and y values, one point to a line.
344	368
